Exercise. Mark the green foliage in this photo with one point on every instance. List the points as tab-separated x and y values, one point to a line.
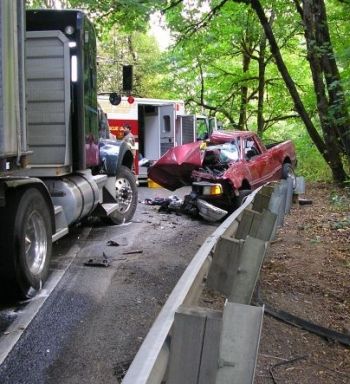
128	15
208	65
137	49
311	164
123	40
205	66
340	32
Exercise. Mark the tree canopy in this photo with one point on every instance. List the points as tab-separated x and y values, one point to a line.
280	68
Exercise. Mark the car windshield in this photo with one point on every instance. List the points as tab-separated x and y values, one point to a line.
221	154
229	152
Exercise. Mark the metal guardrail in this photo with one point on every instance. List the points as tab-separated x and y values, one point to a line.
188	344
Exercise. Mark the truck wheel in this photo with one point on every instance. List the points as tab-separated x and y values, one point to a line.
126	196
243	193
239	200
28	242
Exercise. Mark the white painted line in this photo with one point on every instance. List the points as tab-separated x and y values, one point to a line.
13	333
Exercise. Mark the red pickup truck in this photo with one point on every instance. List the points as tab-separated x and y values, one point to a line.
224	168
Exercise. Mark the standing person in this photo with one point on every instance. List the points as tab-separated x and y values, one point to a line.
129	138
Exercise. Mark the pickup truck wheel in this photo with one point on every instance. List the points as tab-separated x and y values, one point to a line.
126	196
240	199
288	172
26	250
242	196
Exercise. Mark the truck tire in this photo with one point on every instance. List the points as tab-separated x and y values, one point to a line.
126	196
26	249
239	200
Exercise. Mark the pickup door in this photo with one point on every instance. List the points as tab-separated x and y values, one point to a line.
261	164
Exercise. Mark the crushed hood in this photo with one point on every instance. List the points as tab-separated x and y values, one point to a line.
174	169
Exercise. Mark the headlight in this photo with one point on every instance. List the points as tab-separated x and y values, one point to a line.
207	189
214	189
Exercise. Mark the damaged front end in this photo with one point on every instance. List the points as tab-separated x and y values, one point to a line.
210	212
206	166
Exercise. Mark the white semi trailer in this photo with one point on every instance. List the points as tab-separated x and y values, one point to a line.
57	163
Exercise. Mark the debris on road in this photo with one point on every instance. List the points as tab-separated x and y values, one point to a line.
304	201
132	252
190	205
112	243
98	262
167	203
117	243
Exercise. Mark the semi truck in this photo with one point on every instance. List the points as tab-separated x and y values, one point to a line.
157	125
58	164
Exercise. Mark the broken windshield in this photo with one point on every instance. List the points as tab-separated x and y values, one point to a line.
221	154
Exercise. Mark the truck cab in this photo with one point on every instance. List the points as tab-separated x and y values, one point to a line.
57	165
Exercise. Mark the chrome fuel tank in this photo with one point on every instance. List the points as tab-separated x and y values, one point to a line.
78	194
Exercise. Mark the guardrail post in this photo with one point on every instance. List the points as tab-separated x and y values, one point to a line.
283	186
256	224
245	224
299	185
224	265
277	204
262	199
239	343
235	267
289	196
263	225
194	347
250	261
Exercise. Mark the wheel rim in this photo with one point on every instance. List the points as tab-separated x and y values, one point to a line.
35	242
124	194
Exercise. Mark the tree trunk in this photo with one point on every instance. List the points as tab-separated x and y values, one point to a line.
261	86
329	132
340	116
339	176
242	123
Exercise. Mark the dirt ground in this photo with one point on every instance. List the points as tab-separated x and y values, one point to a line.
306	273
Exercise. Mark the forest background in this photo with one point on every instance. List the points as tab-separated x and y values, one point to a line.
277	67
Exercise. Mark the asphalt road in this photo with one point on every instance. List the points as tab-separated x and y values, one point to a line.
93	322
